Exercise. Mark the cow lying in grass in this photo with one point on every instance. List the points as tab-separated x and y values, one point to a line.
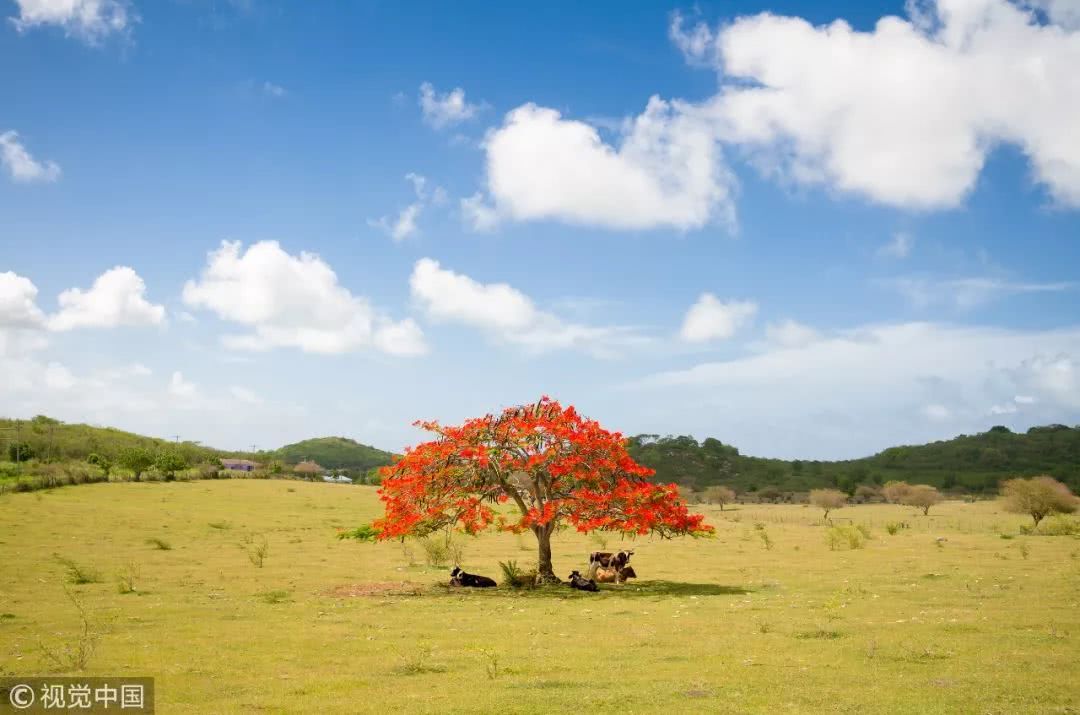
581	583
611	574
460	578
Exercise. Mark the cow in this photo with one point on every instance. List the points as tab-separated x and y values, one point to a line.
581	583
460	578
607	558
611	574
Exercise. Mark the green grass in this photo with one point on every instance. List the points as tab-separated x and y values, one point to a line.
900	625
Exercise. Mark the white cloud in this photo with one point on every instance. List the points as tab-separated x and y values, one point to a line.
965	293
665	171
698	44
443	110
790	334
478	214
936	413
1024	400
907	113
181	388
117	297
899	246
274	90
405	224
507	314
712	319
18	302
21	166
1006	409
89	20
869	387
245	395
58	377
292	301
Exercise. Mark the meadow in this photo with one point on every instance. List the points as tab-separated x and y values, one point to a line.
238	597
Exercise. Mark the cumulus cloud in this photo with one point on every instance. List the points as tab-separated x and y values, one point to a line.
275	91
292	301
697	43
904	114
181	388
712	319
20	165
443	110
18	302
507	314
117	298
664	170
89	20
875	385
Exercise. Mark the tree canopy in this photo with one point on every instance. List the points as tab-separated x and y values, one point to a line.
553	466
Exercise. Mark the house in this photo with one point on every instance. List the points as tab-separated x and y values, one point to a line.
240	465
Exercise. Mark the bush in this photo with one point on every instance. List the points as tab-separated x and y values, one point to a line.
515	577
77	574
840	536
894	526
1039	497
921	496
719	494
436	551
1059	526
364	532
827	499
865	494
20	452
895	492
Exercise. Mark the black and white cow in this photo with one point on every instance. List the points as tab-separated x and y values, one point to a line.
581	583
460	578
617	559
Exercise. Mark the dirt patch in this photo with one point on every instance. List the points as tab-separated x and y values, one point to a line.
375	588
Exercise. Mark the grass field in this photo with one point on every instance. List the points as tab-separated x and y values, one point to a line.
974	623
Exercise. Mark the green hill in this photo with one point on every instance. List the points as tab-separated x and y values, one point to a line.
55	441
973	463
332	453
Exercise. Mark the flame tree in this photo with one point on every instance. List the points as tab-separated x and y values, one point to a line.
552	464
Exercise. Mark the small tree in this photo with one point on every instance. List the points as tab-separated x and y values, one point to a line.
827	499
169	462
137	459
770	494
101	462
922	496
719	494
554	465
1038	496
895	492
865	493
20	452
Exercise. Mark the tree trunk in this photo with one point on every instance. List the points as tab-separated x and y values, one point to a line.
544	572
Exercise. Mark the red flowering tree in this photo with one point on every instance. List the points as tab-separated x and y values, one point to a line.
552	464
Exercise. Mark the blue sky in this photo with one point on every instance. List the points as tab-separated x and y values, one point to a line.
799	227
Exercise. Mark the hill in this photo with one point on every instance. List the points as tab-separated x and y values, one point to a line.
332	453
55	441
972	463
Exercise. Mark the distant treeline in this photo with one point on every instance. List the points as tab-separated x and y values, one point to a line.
968	463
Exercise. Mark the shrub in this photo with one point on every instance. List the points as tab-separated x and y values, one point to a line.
137	459
159	544
719	494
257	549
77	574
1059	525
1039	497
436	551
364	532
922	496
827	499
764	536
895	492
515	577
20	452
100	461
169	462
125	580
840	536
865	494
894	526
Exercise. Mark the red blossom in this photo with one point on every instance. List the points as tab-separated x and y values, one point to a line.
555	465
